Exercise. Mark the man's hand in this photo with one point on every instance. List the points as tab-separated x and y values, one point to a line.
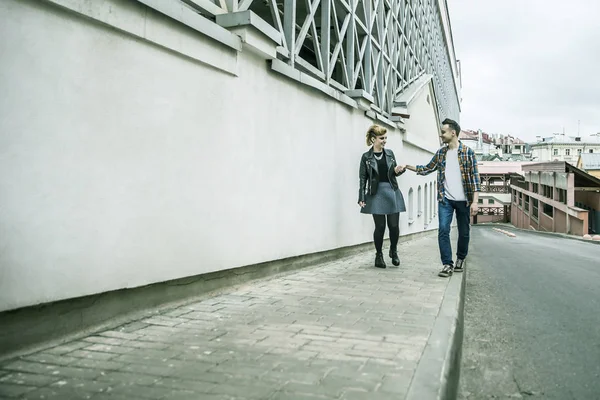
362	204
399	169
474	209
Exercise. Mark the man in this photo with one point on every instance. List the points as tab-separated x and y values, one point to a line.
458	191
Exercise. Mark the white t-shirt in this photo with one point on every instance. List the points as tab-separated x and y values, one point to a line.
453	183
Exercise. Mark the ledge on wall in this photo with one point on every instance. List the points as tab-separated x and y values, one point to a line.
304	78
393	122
256	34
407	96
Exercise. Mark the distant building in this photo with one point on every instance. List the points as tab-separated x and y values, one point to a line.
495	198
590	163
556	197
490	147
479	141
561	147
511	148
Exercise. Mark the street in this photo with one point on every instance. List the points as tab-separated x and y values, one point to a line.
532	317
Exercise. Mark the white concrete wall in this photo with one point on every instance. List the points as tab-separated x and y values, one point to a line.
123	163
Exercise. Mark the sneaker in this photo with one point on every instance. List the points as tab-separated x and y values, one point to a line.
379	261
446	271
459	266
394	257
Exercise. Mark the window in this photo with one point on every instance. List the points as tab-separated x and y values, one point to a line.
514	197
548	210
535	188
480	201
567	152
491	201
420	201
555	152
426	204
591	150
548	191
411	206
520	199
527	203
562	196
578	151
432	194
534	209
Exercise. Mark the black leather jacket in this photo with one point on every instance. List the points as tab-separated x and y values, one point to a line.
369	174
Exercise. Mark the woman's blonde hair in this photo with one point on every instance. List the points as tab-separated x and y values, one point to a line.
373	132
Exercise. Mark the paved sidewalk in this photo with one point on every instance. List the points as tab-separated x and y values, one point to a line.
339	330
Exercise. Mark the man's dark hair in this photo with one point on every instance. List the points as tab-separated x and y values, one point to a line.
452	124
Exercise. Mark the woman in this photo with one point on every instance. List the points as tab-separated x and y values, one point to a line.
379	194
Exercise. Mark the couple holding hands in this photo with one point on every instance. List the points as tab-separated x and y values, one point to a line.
458	187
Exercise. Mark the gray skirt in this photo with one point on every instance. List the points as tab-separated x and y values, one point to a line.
385	201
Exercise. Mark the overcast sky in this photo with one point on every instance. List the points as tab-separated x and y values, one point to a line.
529	67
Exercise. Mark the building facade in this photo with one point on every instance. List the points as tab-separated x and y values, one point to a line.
495	195
561	147
590	163
556	197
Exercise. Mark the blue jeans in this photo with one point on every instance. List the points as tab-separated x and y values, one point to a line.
463	220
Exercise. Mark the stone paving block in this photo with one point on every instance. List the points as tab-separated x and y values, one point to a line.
47	358
191	395
397	383
358	374
304	376
160	369
92	355
203	376
246	391
186	385
8	390
162	320
105	348
142	344
29	366
97	364
119	378
145	392
69	389
362	395
350	383
300	388
105	340
27	379
66	348
120	334
144	357
132	326
298	396
78	373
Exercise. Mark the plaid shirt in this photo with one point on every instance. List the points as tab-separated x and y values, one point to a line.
468	171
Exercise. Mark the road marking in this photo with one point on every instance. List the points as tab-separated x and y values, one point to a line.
507	233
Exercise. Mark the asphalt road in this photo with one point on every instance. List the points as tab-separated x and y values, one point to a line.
532	318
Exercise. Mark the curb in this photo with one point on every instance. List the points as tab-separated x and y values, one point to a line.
543	233
438	372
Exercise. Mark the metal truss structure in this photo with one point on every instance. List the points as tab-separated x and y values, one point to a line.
377	46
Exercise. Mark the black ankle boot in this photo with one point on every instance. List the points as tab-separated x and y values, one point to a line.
379	261
394	257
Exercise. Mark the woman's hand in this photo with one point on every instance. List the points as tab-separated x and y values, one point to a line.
399	169
362	204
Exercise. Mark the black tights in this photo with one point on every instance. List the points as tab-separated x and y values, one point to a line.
392	223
